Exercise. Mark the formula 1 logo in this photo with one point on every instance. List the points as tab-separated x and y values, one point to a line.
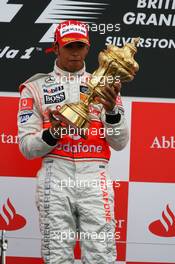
61	10
8	11
56	12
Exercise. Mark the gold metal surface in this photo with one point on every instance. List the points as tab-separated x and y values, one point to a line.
114	64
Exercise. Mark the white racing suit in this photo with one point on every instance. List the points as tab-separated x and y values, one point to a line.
74	190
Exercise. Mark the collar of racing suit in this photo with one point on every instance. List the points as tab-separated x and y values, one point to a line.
59	71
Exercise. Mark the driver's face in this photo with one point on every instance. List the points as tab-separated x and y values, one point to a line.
71	57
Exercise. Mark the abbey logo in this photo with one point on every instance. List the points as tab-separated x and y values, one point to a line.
163	143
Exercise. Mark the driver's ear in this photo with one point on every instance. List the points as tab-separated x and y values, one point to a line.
87	49
56	48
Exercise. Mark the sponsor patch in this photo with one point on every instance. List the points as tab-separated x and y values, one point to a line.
25	117
120	104
83	97
73	29
101	166
119	101
54	99
50	79
49	85
26	104
58	107
52	90
84	89
94	111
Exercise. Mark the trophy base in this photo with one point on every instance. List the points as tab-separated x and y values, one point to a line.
76	116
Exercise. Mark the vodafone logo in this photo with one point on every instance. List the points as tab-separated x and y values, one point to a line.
105	194
9	219
75	137
164	227
79	148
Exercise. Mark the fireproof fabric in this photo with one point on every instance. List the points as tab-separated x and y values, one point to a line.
76	200
63	209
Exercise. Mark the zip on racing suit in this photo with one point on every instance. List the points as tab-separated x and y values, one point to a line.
74	190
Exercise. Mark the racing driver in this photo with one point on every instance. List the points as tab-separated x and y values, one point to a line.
74	192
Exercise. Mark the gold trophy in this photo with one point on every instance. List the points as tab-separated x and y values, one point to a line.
114	63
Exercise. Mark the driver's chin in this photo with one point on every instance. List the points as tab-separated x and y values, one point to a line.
74	66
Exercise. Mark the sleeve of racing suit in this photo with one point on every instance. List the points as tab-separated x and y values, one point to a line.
32	136
117	134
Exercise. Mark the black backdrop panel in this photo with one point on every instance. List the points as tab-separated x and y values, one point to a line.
26	28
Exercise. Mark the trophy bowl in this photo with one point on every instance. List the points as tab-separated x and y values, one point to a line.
114	64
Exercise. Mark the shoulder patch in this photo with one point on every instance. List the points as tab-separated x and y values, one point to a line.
33	78
23	118
50	79
26	104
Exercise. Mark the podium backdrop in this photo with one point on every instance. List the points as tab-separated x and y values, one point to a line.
145	169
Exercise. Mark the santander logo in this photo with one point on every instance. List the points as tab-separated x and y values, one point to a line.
164	227
9	219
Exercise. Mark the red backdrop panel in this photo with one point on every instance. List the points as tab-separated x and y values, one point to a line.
12	161
152	142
